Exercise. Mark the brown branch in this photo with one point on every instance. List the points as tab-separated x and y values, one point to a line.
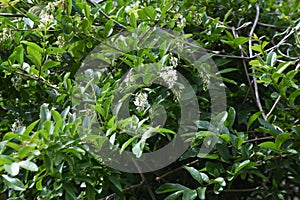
145	181
177	169
124	190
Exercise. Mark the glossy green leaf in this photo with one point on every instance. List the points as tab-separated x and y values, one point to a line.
268	144
12	168
14	183
198	176
271	59
28	165
253	118
170	187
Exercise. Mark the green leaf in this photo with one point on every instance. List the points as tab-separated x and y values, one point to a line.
30	127
240	40
283	66
45	114
201	192
241	165
12	168
137	149
14	183
227	15
128	142
268	144
33	45
230	118
90	192
223	151
253	118
108	28
271	59
189	194
227	70
170	187
115	182
133	20
28	165
56	116
198	176
293	96
54	50
280	139
39	185
174	196
50	64
70	190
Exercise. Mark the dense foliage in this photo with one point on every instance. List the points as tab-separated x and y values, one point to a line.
255	46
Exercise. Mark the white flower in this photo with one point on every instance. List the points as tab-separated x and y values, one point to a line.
61	41
16	81
5	35
16	125
46	18
174	61
169	75
129	79
141	101
181	21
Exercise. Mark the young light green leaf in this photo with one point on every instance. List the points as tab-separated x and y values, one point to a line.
268	144
128	142
30	127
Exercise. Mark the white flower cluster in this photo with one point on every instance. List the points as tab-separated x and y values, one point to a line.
16	125
5	35
141	101
61	41
169	75
16	81
129	79
173	61
181	21
197	18
46	18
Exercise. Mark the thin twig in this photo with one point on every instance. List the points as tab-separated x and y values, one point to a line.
236	190
273	107
243	53
124	190
198	160
106	16
176	169
39	79
256	92
145	181
10	15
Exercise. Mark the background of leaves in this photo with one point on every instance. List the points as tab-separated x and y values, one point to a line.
256	47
